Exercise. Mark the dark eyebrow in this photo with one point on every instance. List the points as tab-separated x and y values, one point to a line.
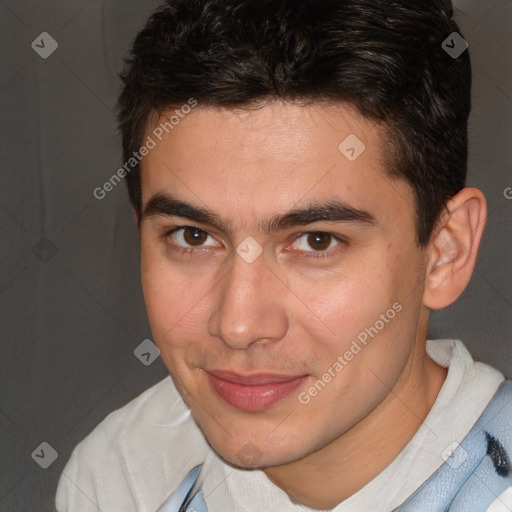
330	211
162	204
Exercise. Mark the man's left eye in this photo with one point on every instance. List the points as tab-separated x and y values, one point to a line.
316	242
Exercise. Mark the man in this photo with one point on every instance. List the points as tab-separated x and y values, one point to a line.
300	212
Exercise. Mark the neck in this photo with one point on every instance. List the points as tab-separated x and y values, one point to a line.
332	474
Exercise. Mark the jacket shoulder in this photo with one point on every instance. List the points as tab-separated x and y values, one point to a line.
128	455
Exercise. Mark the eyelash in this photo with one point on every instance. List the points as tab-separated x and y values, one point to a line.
327	253
177	248
306	254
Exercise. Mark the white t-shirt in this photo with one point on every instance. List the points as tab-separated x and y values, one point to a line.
137	456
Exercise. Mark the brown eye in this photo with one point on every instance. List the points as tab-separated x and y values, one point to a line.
191	240
319	241
194	236
316	244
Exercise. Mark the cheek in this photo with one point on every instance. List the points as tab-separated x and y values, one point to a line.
344	304
167	293
178	303
158	296
365	313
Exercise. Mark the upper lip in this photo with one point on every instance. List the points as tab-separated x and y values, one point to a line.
255	379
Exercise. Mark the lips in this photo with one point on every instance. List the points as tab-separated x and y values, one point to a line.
253	393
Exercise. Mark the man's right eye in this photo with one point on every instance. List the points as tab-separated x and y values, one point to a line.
190	236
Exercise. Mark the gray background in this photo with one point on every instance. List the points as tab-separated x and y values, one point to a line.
71	308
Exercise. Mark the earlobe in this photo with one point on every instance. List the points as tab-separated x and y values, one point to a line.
453	248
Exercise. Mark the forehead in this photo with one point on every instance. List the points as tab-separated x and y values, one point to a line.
257	162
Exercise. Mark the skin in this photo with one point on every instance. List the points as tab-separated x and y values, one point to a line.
296	308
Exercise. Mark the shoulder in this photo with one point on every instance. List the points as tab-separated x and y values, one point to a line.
490	445
133	456
153	407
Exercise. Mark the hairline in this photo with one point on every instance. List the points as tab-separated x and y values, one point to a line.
389	148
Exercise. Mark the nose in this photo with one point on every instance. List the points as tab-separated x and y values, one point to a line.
250	307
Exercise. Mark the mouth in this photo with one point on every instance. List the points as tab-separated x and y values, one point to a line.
253	393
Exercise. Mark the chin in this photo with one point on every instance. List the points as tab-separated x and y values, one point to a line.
256	452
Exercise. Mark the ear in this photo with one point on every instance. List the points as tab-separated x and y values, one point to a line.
453	248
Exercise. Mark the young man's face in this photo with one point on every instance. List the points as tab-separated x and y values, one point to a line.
246	336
